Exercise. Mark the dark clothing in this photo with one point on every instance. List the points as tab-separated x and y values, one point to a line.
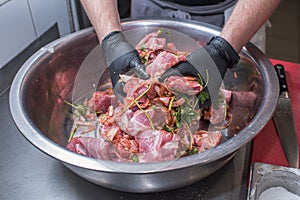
124	8
212	14
197	2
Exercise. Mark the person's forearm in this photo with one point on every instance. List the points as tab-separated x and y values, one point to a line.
103	15
247	17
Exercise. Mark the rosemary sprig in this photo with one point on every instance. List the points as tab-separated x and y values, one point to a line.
140	96
73	133
188	114
200	80
79	108
171	102
178	117
146	114
203	95
191	138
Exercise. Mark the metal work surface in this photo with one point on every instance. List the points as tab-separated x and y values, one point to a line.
27	173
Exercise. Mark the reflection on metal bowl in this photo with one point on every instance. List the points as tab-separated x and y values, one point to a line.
60	71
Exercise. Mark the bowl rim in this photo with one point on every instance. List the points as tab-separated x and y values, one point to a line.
34	136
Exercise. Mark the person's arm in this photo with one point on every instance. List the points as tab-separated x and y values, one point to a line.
246	18
121	57
212	61
103	15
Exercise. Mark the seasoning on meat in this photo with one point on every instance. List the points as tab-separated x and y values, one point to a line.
156	121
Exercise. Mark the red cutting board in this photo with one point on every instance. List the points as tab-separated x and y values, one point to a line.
266	146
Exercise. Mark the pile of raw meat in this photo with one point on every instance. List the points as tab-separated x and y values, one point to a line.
157	121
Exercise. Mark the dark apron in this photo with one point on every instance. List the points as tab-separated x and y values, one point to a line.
212	14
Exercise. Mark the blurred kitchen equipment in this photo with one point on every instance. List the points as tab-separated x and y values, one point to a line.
268	180
284	120
50	76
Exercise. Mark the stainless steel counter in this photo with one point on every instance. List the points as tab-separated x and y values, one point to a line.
27	173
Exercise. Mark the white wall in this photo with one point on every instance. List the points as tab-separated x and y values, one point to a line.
45	13
22	21
16	29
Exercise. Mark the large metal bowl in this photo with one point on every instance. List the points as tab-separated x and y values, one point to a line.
51	74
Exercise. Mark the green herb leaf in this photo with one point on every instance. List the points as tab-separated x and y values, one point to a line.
80	109
203	96
178	116
135	158
163	31
143	47
192	151
168	128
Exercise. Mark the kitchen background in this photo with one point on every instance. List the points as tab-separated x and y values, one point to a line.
27	25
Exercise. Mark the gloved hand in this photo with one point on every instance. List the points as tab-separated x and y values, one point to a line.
210	62
121	57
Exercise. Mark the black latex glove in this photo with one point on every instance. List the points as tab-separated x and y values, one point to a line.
121	57
210	62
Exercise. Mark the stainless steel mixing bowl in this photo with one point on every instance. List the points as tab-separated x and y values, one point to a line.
51	75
